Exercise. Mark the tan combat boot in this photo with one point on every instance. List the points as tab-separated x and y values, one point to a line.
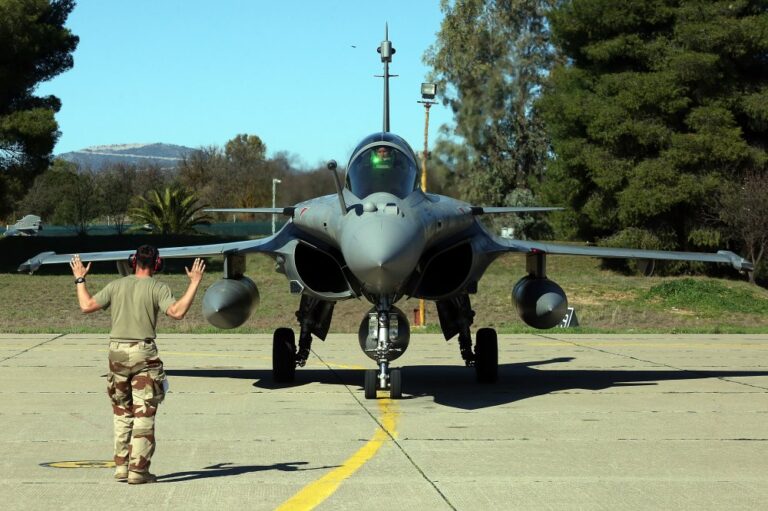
141	477
121	472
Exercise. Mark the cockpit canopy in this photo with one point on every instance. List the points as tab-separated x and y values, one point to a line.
382	162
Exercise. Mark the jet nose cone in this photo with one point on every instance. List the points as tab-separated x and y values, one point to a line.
382	252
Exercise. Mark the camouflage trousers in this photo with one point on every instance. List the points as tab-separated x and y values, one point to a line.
135	386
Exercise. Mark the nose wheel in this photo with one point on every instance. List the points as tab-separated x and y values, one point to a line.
394	383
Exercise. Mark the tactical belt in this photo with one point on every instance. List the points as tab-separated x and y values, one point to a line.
131	342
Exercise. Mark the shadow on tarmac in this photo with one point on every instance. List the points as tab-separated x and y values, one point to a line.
455	386
227	469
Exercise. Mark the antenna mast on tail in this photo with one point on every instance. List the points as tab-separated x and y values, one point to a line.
386	50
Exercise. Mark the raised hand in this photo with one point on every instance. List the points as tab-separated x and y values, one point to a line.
78	270
196	273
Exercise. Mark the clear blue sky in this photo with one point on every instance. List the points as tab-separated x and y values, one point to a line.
299	74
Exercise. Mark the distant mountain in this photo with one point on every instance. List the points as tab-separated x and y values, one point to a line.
98	157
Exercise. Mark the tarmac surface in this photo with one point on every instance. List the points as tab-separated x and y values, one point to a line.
575	422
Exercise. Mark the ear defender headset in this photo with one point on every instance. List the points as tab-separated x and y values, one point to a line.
157	263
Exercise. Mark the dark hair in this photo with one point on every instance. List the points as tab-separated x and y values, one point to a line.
146	256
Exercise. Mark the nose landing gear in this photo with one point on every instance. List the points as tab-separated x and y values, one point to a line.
384	335
393	382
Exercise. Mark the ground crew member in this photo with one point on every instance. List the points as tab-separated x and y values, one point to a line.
135	382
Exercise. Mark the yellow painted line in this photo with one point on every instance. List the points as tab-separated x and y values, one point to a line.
80	464
316	492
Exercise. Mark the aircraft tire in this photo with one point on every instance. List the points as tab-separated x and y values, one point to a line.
487	356
370	383
283	356
395	384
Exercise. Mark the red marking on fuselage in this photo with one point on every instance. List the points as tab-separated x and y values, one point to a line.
303	210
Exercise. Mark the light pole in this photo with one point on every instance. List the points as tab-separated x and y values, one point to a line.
274	193
428	92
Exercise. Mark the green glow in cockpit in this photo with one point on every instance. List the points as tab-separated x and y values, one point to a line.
381	160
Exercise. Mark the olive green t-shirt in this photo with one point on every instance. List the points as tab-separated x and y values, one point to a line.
134	303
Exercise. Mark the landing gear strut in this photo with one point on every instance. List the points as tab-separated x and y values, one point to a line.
383	326
456	317
314	317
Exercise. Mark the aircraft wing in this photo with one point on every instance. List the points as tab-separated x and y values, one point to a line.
486	210
274	211
722	256
265	245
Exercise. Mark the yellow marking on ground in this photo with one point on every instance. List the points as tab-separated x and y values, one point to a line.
316	492
80	464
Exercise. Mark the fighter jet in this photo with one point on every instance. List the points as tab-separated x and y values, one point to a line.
27	226
381	238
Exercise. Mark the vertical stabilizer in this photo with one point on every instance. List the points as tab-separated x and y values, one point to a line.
386	51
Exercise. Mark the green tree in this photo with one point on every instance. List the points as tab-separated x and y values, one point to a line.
46	192
35	47
151	178
173	210
744	210
238	176
116	185
82	204
201	171
489	61
660	103
250	179
245	150
64	195
444	164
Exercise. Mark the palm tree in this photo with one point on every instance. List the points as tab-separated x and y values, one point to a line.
171	211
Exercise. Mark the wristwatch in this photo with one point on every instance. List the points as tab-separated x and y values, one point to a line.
80	280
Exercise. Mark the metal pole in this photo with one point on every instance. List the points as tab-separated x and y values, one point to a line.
427	105
274	193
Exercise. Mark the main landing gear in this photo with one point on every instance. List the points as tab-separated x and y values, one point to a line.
285	357
384	335
485	357
314	317
456	317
